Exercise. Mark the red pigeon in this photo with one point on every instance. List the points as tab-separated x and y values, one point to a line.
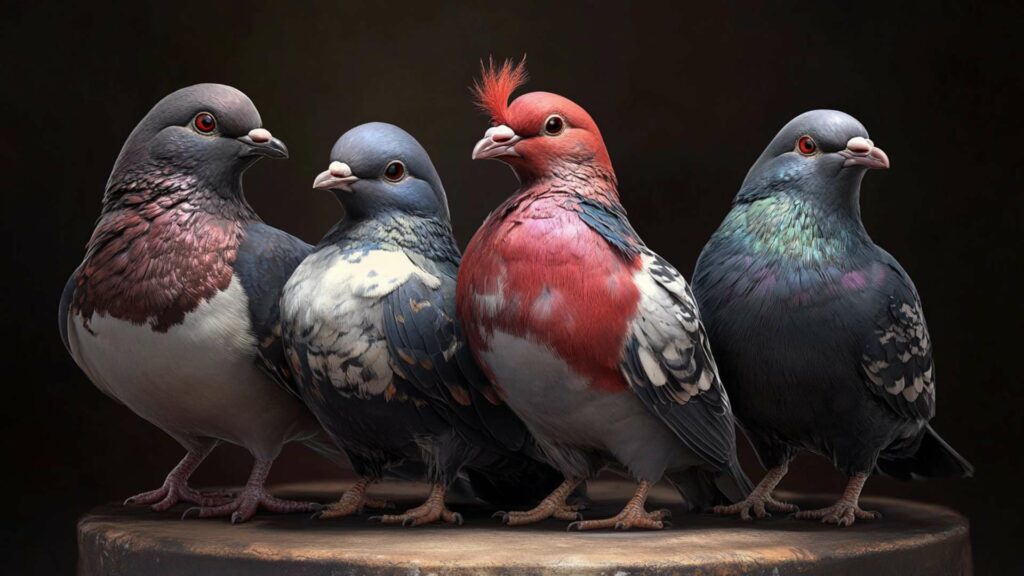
593	339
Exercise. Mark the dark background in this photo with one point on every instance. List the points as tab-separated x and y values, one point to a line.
687	97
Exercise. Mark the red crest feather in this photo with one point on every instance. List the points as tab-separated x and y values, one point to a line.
496	85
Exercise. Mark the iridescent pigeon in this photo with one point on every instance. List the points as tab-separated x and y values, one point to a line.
819	333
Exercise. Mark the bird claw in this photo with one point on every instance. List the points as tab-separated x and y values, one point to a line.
351	502
174	491
243	507
630	518
757	505
842	514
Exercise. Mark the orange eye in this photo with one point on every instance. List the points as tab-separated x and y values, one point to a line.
394	171
806	145
205	122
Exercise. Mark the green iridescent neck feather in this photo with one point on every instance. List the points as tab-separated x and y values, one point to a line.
786	227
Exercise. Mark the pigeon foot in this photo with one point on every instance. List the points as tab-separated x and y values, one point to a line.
352	502
243	506
760	503
846	511
431	511
176	489
632	516
757	505
553	506
842	513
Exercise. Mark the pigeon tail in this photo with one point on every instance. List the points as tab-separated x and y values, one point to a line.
704	489
934	458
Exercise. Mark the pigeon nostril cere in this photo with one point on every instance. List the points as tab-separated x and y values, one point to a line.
260	135
859	145
340	170
500	133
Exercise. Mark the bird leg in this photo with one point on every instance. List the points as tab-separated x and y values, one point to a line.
352	501
254	496
760	501
176	489
846	510
432	510
632	516
553	506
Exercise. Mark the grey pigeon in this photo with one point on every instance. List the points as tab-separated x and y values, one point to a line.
173	311
370	329
819	333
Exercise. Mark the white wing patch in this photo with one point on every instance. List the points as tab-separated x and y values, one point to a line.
331	307
664	329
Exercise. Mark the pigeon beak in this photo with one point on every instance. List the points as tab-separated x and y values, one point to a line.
259	142
338	176
863	152
497	141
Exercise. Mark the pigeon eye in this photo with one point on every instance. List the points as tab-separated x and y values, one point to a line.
205	122
554	125
394	171
806	145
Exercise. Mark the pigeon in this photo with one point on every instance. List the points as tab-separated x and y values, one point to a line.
371	333
593	339
819	333
173	312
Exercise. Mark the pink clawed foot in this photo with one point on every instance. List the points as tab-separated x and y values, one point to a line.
633	516
352	502
431	511
842	513
176	489
760	503
846	511
253	497
553	506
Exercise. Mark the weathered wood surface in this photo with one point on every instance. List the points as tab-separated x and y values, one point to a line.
911	539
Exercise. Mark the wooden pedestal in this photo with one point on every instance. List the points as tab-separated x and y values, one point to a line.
911	539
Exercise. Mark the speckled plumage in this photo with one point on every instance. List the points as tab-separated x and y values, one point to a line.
369	322
819	333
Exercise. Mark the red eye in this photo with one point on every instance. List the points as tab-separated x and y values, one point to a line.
394	171
205	122
806	145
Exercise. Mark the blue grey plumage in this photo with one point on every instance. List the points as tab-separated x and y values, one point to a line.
370	329
819	333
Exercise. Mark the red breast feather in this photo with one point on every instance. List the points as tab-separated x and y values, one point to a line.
556	281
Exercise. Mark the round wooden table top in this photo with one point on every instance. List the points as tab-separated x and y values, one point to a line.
912	538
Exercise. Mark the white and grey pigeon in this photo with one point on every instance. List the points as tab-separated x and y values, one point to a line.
369	325
174	310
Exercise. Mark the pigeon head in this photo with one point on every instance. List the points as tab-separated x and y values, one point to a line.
209	132
538	132
821	155
378	167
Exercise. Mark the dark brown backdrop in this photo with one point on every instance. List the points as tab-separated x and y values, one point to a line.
686	97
